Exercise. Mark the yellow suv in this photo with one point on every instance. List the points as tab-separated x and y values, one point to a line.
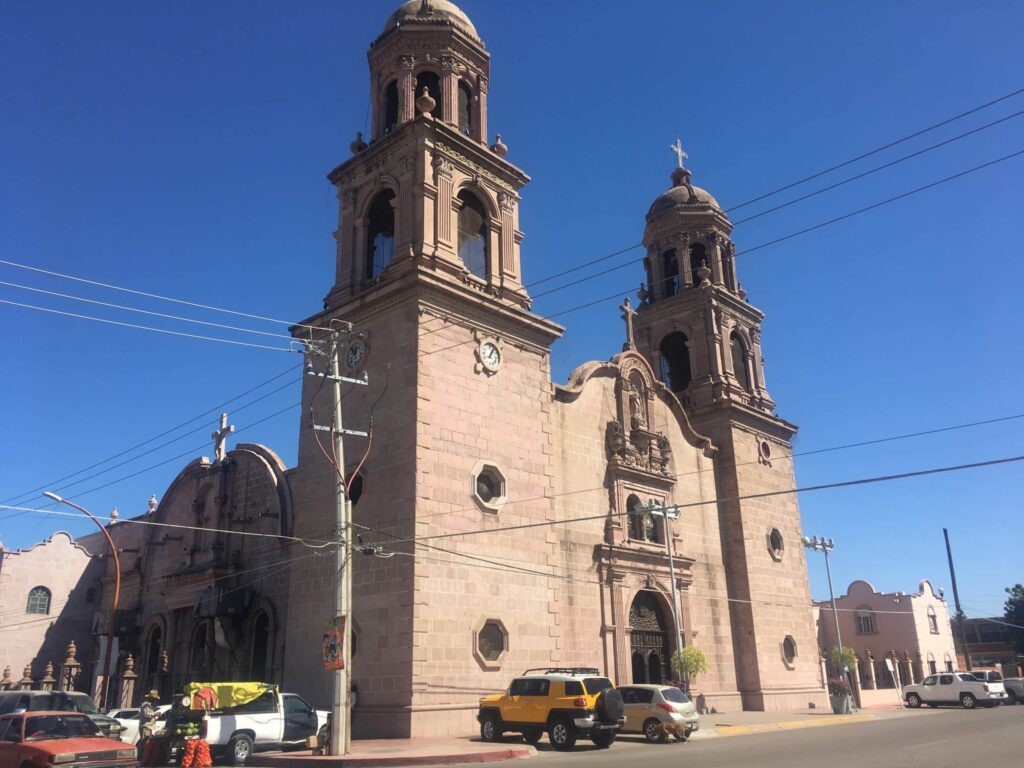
565	702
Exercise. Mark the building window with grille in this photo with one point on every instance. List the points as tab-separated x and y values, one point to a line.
866	624
933	621
38	600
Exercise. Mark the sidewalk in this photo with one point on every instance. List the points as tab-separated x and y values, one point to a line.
452	751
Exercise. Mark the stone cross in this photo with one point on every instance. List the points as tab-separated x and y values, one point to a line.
220	439
677	150
627	315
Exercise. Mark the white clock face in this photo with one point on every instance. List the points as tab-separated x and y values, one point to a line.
490	355
356	353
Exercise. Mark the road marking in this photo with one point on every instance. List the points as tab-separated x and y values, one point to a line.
791	725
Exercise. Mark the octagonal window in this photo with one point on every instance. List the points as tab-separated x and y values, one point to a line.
789	649
776	544
491	641
489	486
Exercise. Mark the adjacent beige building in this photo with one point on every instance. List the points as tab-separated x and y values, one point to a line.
49	594
508	505
912	632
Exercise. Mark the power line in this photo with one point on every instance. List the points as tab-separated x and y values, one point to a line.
790	456
154	295
144	311
205	425
746	497
145	327
877	168
875	151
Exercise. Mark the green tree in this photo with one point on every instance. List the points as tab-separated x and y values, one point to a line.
1013	611
688	664
838	661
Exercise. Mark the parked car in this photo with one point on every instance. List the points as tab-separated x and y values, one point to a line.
565	702
954	688
59	701
657	710
246	717
130	723
71	739
1014	689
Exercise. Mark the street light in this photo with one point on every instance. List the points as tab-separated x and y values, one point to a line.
826	546
112	626
668	514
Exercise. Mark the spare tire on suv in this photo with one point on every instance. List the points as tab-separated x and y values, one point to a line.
609	706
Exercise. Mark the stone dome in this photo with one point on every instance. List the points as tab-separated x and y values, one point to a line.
682	192
431	12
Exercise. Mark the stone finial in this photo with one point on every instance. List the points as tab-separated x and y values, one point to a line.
48	680
357	145
499	147
643	294
152	504
26	678
129	668
72	654
703	271
425	103
6	682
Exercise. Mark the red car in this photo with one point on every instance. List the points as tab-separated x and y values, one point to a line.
67	739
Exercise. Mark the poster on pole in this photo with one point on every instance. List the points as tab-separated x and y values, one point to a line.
334	644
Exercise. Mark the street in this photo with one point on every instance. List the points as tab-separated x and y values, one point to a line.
925	738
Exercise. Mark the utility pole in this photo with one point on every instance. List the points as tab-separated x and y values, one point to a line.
956	600
341	702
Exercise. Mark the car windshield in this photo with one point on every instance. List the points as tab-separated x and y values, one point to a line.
675	695
69	726
596	684
73	702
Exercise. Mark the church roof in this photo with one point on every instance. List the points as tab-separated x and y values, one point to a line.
414	12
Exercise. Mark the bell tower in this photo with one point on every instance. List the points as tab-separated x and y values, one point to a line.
426	194
699	332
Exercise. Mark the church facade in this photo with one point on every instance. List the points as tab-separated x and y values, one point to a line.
513	514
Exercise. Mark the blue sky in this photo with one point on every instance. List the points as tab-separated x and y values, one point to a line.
181	149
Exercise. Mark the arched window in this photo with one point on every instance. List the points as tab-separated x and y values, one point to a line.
739	360
465	109
670	270
391	106
727	270
432	83
933	621
380	234
38	600
260	646
698	256
675	361
473	234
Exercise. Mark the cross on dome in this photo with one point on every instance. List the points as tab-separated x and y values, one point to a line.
677	150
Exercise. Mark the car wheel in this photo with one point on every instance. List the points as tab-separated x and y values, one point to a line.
653	731
490	727
913	700
687	733
968	701
532	737
562	734
603	739
239	749
1011	697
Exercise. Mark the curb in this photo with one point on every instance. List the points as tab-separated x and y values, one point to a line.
788	725
280	760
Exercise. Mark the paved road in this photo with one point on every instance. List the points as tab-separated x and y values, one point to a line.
924	739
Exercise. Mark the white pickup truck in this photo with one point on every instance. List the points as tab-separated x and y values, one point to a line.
960	688
273	720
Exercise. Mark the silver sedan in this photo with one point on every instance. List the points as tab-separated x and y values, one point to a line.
658	710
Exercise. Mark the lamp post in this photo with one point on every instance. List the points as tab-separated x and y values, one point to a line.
826	545
112	626
668	514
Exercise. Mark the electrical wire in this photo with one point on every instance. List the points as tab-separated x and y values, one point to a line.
144	311
145	327
729	499
155	295
146	442
734	465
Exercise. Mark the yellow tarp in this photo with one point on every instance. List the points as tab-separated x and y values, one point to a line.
227	694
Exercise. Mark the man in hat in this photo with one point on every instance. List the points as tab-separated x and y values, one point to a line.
148	714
